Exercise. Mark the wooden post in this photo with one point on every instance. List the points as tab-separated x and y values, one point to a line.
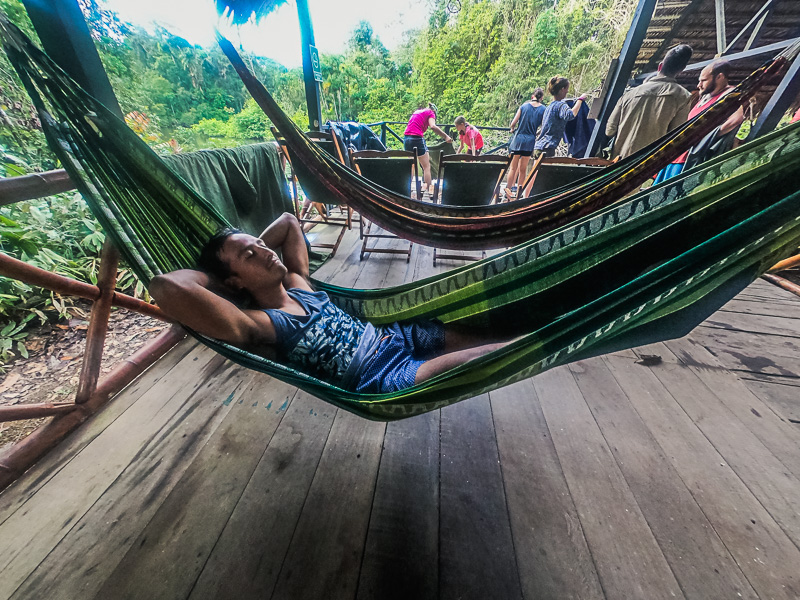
719	9
27	451
312	87
783	283
786	93
98	323
619	79
789	263
35	411
21	271
35	185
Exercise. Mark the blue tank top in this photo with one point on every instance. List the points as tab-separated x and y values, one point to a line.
529	121
320	343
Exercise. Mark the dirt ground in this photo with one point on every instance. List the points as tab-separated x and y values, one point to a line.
50	373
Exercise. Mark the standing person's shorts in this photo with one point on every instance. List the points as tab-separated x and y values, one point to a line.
402	347
520	152
415	141
477	151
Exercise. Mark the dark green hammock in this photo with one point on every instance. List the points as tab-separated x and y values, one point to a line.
648	268
497	226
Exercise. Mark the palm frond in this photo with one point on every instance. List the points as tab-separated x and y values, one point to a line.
242	11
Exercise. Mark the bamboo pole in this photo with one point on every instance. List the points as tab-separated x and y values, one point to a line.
789	263
27	451
21	271
35	411
98	323
35	185
783	283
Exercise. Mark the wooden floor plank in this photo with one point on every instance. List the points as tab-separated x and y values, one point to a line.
80	563
24	488
177	541
752	352
702	565
782	439
330	534
245	561
765	475
30	534
769	325
782	394
627	557
553	558
744	305
401	553
760	547
476	550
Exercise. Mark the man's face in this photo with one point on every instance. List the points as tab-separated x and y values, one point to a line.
252	264
708	84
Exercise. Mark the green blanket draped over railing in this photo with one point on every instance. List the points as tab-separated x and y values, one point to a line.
647	268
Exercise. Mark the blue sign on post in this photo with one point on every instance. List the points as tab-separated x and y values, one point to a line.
315	66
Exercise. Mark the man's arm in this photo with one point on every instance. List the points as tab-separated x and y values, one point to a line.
733	122
286	234
185	296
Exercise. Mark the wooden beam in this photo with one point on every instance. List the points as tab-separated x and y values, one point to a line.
311	85
35	411
627	57
761	14
719	9
769	50
35	185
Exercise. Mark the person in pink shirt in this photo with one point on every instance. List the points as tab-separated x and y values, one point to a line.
414	138
469	137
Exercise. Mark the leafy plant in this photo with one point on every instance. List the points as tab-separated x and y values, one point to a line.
12	339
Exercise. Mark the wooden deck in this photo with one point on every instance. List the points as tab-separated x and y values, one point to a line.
605	479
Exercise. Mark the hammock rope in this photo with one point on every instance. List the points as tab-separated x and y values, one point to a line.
644	269
501	225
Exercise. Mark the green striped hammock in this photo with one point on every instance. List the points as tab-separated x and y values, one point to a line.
499	226
647	268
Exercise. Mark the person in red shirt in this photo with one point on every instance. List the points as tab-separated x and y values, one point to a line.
469	137
414	138
713	85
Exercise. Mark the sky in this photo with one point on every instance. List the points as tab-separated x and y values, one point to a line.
278	35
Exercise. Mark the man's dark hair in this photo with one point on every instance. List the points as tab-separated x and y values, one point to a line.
676	60
721	66
210	261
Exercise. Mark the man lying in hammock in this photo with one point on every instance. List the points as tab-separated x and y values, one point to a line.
285	316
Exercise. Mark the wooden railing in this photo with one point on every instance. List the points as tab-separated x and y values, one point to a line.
92	392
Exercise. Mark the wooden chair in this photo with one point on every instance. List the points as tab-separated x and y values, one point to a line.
328	142
550	173
466	180
395	170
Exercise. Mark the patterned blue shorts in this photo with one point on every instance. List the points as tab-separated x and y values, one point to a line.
402	349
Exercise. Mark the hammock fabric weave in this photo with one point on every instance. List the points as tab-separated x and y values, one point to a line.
498	226
648	268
